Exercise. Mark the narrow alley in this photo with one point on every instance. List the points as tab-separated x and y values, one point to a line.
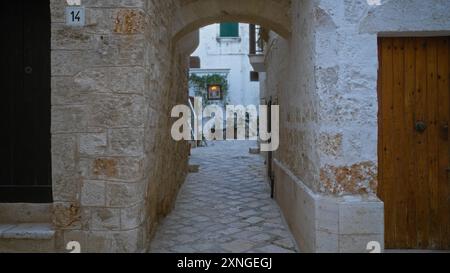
225	207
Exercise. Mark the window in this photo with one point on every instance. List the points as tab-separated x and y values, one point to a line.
229	30
254	76
194	62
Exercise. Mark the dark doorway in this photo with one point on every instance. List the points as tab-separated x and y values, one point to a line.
25	174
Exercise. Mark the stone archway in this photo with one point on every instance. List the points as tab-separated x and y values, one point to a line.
271	14
325	179
116	171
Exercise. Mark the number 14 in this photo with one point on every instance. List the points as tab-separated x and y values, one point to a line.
75	16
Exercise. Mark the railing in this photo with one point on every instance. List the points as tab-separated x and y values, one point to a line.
256	40
194	115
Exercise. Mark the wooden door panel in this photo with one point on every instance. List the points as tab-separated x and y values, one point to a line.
443	86
420	145
411	191
413	159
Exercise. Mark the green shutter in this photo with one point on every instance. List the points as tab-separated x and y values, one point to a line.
229	30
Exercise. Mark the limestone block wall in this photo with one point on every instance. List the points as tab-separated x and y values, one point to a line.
167	81
326	167
116	170
290	79
328	128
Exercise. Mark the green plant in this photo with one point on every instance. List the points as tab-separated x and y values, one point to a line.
200	84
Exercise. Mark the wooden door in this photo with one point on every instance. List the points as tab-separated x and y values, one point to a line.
414	87
25	174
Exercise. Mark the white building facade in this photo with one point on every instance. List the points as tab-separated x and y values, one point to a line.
224	51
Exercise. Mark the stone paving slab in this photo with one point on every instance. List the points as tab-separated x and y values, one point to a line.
225	207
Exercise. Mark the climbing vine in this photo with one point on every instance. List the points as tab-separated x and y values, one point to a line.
200	84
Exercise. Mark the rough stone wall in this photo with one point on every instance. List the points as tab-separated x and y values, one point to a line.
346	81
290	77
346	84
98	115
326	167
113	85
115	169
329	103
168	87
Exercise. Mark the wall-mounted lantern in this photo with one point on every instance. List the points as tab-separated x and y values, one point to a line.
215	92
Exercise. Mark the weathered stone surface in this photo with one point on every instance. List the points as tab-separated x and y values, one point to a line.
127	80
129	21
25	213
112	168
128	241
68	63
356	179
66	188
64	159
66	92
93	193
27	246
133	217
124	194
115	80
73	236
115	111
415	16
114	3
358	243
98	242
327	242
117	50
126	142
92	144
361	218
57	10
331	144
67	216
92	80
67	38
105	219
69	119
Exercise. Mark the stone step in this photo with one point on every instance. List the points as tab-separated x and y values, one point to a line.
27	238
26	213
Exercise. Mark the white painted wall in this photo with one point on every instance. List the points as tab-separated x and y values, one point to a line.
229	54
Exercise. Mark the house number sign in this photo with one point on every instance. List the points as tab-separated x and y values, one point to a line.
75	16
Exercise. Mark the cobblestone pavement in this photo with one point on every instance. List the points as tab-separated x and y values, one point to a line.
225	208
